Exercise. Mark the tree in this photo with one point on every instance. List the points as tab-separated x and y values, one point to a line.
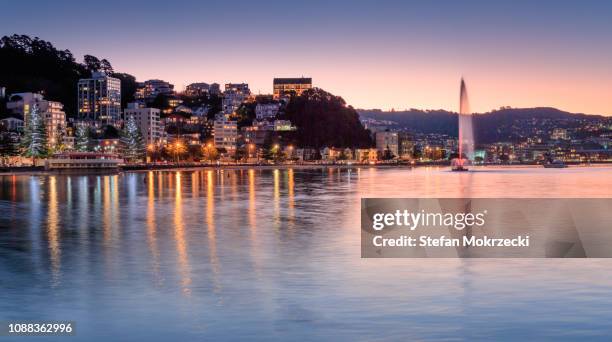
131	141
176	149
34	142
239	154
83	138
106	67
92	63
387	154
7	147
323	119
210	152
58	142
32	65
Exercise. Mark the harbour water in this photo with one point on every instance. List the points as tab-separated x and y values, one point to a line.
275	255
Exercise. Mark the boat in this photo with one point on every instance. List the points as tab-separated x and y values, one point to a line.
555	164
93	161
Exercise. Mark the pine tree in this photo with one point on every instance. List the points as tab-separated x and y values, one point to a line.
58	145
34	141
82	138
132	141
7	147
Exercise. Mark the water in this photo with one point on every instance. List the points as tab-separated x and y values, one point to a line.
275	255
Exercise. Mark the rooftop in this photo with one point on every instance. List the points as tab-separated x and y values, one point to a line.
300	80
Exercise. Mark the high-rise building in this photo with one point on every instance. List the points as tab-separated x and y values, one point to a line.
286	86
405	146
52	112
100	99
148	122
234	95
387	140
226	134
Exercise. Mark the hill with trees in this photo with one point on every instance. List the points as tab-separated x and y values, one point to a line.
323	119
35	65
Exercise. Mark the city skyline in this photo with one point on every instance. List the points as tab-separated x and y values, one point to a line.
390	55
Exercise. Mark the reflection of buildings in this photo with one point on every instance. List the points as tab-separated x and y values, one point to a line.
100	98
286	86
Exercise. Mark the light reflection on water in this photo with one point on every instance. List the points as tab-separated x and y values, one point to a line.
274	254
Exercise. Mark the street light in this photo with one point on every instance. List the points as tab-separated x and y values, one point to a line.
177	146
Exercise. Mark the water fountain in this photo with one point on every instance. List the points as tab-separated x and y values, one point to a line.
466	132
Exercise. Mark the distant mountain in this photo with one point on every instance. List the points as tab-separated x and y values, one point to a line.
497	125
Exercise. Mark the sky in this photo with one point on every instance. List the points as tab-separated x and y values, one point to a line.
375	54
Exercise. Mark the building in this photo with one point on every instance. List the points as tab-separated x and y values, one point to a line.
152	88
148	122
197	89
255	135
286	86
214	89
226	134
405	146
388	140
12	124
559	134
52	112
366	155
283	125
266	110
100	99
234	95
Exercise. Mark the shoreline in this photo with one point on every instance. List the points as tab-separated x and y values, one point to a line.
160	168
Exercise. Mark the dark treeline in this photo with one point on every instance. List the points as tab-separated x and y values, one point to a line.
324	119
35	65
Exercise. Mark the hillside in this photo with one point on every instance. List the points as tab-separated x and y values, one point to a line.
497	125
324	119
34	65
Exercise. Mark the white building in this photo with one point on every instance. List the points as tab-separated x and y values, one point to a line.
100	98
226	134
152	88
234	95
52	112
283	125
148	121
266	110
388	140
12	124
